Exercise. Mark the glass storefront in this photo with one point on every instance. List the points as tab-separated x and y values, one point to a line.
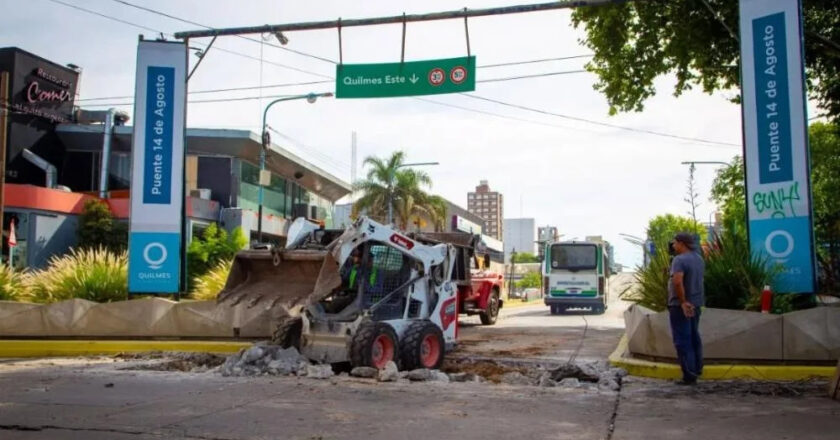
282	197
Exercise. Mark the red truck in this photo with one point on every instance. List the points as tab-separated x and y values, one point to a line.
479	289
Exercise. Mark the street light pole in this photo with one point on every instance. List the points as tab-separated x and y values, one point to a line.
391	185
266	141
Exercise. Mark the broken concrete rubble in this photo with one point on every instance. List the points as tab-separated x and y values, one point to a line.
390	373
366	372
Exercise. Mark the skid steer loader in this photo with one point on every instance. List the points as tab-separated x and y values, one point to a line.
367	295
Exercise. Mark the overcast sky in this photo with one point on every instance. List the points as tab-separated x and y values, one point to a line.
583	178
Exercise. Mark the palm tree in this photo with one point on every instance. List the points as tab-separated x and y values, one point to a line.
404	186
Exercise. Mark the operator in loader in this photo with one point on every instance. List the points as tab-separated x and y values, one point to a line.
351	274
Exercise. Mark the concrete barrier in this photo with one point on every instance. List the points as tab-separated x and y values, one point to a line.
807	335
140	318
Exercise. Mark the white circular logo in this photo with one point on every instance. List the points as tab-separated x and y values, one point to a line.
768	244
154	264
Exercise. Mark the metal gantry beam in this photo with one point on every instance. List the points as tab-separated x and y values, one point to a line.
394	19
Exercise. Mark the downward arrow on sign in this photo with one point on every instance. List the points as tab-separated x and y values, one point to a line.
413	78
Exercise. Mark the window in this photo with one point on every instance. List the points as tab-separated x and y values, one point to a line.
574	256
275	201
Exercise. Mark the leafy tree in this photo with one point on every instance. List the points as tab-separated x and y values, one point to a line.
97	228
662	228
825	177
211	247
728	193
530	279
405	186
636	42
524	257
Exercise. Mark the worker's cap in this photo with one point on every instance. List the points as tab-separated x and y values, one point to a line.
686	239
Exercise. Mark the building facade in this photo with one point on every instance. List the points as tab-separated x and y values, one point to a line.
45	195
545	235
488	205
520	236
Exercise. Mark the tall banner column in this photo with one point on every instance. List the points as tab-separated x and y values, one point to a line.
157	179
776	140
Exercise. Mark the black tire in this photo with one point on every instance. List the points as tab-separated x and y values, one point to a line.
491	313
599	309
362	351
553	309
288	333
411	347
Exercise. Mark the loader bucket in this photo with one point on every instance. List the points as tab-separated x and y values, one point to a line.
272	279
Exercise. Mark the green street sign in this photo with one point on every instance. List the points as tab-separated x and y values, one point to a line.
429	77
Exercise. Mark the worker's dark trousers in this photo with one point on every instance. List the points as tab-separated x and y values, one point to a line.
686	335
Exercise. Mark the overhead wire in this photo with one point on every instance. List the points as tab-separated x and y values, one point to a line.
603	124
158	31
331	81
184	20
521	107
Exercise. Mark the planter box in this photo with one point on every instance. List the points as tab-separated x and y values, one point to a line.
809	335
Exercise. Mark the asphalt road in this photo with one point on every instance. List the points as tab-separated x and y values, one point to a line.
103	398
532	333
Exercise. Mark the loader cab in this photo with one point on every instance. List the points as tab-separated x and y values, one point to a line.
375	276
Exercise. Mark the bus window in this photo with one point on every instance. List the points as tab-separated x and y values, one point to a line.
574	257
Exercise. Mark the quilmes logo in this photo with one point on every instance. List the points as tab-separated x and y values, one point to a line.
155	255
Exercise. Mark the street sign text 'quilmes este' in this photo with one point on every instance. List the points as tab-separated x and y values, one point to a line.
428	77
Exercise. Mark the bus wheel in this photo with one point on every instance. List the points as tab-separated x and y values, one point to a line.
599	309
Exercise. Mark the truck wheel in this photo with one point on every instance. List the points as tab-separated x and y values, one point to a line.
422	346
489	315
599	309
288	333
373	345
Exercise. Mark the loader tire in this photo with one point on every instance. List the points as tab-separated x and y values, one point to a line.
373	345
288	333
422	346
489	315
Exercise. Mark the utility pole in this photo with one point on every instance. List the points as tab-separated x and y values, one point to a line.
4	127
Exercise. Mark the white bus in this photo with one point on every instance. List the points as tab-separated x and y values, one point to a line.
575	275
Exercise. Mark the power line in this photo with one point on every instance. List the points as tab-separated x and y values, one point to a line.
233	89
158	31
541	60
254	40
183	20
604	124
538	75
335	162
324	76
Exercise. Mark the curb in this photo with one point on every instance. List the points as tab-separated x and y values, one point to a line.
16	348
517	303
663	370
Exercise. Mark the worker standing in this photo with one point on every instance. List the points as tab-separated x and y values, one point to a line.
685	299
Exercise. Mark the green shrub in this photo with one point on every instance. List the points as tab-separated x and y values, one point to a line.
208	285
211	247
97	228
735	277
530	279
93	274
651	287
11	284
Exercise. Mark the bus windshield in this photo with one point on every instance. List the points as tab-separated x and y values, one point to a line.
574	256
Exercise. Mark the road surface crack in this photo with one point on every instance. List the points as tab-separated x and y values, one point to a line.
611	426
38	428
